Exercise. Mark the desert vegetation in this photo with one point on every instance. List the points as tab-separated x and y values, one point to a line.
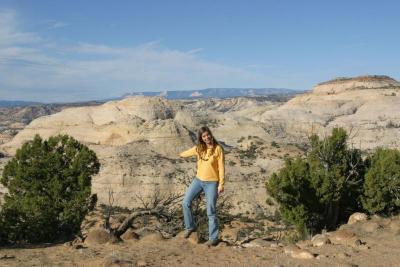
49	190
162	213
331	181
382	182
319	182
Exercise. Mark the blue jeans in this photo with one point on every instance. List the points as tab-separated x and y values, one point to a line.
193	191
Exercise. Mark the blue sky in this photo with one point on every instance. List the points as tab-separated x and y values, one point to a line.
81	50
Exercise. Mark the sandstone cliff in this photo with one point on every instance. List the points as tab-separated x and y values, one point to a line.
138	139
367	106
114	123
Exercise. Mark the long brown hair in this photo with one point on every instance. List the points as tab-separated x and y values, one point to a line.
201	145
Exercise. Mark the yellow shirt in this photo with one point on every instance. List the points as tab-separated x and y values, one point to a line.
210	167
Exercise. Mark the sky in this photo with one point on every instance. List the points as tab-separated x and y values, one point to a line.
64	51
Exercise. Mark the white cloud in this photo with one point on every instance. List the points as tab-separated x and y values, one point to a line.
195	51
9	35
34	69
57	24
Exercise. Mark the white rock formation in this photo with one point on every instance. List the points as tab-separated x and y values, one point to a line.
114	123
367	106
138	139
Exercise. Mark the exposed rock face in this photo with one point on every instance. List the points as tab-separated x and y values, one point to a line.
131	137
367	106
14	119
114	123
138	139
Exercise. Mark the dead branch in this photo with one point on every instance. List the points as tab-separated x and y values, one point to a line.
128	221
162	206
110	210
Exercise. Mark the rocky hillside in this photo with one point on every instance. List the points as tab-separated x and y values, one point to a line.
15	115
356	83
114	123
367	106
138	139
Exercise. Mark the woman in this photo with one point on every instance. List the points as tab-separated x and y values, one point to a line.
209	178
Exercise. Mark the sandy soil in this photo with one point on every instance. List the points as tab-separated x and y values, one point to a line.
380	240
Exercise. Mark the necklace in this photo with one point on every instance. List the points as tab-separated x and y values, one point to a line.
207	154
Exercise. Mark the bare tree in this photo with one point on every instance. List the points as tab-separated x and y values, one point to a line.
160	205
165	207
109	210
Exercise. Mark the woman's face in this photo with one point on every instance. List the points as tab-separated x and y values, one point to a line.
207	138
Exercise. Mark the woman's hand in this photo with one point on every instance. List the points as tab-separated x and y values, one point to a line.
220	189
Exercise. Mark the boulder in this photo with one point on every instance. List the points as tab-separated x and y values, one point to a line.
302	254
230	234
130	234
320	240
344	237
298	253
356	217
341	235
100	236
258	243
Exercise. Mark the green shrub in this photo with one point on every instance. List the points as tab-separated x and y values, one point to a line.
322	189
49	190
382	182
292	189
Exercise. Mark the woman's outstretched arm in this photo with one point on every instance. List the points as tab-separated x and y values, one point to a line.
189	152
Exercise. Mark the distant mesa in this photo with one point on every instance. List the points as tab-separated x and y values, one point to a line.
217	93
10	103
364	78
356	83
167	94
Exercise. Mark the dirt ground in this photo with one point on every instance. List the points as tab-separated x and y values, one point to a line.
378	245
